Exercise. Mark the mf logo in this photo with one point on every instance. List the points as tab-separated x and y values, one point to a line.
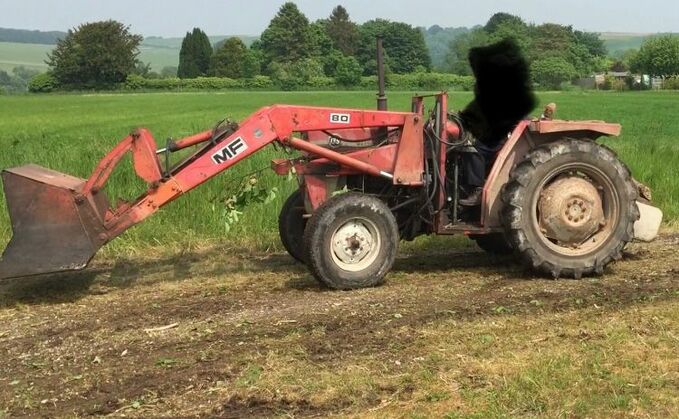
230	151
340	118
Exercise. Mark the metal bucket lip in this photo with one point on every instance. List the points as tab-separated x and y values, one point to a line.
47	176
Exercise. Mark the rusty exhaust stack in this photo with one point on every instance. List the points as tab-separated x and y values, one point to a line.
381	95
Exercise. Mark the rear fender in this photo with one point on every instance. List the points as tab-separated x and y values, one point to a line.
526	136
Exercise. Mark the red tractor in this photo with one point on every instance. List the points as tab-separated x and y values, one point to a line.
367	179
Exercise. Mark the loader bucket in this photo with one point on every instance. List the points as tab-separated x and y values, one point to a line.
53	230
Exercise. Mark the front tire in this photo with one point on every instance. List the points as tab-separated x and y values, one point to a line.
291	225
351	241
569	208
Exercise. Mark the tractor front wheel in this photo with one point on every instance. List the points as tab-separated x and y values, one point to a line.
569	208
351	241
291	225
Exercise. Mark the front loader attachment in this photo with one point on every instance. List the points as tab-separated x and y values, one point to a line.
55	229
59	221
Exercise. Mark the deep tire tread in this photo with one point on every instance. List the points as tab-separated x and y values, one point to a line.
516	189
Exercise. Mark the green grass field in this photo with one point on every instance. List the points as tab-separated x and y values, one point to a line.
70	133
189	330
33	56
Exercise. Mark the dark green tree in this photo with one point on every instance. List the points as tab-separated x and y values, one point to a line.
438	41
342	31
287	38
457	59
502	19
404	45
593	42
194	55
229	59
251	65
550	72
658	56
503	26
551	40
331	61
320	44
95	55
256	60
291	75
348	72
588	53
584	51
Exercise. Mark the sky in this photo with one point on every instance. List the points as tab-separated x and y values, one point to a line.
171	18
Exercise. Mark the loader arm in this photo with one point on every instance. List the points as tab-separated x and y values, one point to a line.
59	221
268	125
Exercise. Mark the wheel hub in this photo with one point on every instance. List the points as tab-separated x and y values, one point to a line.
352	242
570	210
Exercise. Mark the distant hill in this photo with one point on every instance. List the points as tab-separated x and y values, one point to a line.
24	36
617	42
27	48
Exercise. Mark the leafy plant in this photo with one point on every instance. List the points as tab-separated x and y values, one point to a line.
247	193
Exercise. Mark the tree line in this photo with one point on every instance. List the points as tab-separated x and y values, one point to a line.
294	52
556	53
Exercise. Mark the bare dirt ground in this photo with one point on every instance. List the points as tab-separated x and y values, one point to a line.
452	333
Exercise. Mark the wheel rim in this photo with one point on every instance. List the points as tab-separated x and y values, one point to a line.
575	209
355	244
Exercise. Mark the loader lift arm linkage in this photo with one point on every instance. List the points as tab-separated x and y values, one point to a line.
65	209
268	125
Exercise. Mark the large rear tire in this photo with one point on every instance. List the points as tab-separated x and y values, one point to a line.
291	225
351	241
569	208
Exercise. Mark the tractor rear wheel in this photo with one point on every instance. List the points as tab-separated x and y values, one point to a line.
351	241
291	224
569	208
